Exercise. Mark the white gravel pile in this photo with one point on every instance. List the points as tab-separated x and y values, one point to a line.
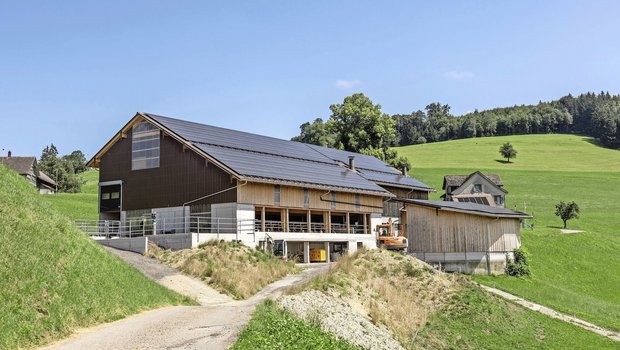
337	317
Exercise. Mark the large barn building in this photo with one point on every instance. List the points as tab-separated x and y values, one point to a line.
160	175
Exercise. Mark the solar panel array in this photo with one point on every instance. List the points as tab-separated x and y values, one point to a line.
362	161
213	135
281	168
271	158
395	179
478	200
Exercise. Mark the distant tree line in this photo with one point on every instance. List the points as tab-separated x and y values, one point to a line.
63	169
351	125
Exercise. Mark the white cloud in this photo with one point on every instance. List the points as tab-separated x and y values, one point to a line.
347	84
454	75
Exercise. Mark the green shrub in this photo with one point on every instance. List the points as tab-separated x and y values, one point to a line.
519	266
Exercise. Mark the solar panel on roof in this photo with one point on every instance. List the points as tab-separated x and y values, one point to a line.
287	169
196	132
362	161
395	179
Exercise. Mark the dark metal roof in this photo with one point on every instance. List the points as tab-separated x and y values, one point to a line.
213	135
266	166
458	180
362	161
398	180
264	157
469	208
21	165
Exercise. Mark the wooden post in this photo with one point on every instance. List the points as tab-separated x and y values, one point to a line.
348	223
329	222
262	219
365	224
308	221
286	220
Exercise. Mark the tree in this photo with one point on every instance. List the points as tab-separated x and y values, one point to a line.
59	169
507	151
77	160
567	211
316	133
389	156
358	123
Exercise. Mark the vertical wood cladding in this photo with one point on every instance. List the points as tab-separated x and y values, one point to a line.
181	177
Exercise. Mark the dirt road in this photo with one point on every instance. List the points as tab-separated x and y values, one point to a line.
213	325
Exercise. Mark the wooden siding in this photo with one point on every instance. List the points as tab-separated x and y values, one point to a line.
405	193
293	197
181	177
438	231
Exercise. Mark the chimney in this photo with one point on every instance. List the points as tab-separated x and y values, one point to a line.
9	154
404	170
352	163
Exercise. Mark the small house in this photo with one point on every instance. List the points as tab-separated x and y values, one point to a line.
462	236
476	187
27	167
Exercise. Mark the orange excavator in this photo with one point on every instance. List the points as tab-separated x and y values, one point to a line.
389	237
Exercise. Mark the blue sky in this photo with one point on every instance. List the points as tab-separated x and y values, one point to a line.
73	73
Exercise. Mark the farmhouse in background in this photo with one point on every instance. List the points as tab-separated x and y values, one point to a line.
27	167
184	183
475	188
462	236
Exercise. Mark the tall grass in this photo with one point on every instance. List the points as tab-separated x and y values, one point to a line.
230	267
54	279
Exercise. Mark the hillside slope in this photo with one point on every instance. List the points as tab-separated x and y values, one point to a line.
54	279
579	273
82	205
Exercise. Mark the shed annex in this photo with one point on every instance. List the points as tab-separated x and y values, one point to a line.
462	237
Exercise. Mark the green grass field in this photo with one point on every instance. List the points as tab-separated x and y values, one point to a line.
578	274
81	205
54	279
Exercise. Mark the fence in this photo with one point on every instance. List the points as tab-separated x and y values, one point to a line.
136	227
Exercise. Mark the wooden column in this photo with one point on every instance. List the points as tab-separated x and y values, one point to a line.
287	220
262	219
329	222
308	219
348	223
365	224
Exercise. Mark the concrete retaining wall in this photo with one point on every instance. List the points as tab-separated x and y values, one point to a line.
137	245
173	241
471	262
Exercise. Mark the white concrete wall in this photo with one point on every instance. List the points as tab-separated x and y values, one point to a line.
170	219
137	244
173	241
245	217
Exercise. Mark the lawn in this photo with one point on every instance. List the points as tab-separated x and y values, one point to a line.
578	274
54	279
83	205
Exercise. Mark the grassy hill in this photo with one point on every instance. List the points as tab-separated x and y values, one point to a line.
53	279
578	274
81	205
421	308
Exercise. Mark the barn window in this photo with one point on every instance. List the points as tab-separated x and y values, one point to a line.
333	200
477	188
144	146
276	194
357	201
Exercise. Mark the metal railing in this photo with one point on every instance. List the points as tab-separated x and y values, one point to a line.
136	227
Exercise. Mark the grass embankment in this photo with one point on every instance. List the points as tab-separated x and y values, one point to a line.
53	279
274	328
427	309
82	205
229	267
578	274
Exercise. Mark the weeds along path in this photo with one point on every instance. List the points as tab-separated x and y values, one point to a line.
213	325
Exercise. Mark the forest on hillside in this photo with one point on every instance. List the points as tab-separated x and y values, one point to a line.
358	124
